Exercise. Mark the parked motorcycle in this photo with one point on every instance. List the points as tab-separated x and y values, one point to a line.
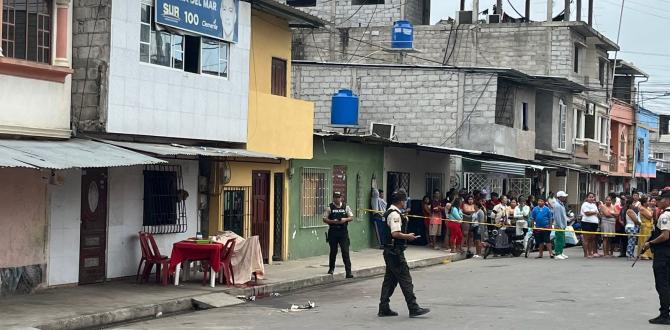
504	241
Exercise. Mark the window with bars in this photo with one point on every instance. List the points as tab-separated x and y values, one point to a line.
236	210
315	195
434	181
164	200
397	180
26	30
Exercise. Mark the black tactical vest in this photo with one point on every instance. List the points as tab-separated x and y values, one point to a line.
337	213
389	241
661	251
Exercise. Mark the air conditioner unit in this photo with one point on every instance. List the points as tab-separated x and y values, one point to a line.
386	131
491	19
464	17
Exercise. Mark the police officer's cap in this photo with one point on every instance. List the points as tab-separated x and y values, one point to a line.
399	196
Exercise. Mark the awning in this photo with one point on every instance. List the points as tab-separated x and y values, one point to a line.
504	167
182	150
578	168
74	153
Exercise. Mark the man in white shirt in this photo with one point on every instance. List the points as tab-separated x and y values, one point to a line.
590	221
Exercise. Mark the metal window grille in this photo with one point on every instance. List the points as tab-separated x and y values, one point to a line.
480	181
397	180
315	192
520	187
236	209
433	181
164	200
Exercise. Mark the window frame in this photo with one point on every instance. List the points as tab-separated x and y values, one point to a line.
562	124
579	124
41	25
275	76
577	60
314	200
524	116
221	60
603	130
154	200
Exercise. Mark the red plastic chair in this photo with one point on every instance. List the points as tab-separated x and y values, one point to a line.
226	266
151	256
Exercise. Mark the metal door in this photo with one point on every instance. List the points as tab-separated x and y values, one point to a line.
260	209
93	240
279	216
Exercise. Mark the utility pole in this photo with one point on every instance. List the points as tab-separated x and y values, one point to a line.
527	13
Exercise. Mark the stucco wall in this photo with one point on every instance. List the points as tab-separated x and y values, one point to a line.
365	160
149	99
64	228
126	195
417	164
23	217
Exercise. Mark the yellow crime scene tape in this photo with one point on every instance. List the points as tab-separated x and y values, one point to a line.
500	225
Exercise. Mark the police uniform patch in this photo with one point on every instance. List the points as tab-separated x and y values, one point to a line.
664	221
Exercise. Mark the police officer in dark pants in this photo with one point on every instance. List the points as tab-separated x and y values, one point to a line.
337	216
659	242
397	271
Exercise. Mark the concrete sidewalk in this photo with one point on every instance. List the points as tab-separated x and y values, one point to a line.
124	300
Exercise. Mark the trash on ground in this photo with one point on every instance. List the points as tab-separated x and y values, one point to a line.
159	314
245	298
300	308
275	294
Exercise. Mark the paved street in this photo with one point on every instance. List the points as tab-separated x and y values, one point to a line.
511	293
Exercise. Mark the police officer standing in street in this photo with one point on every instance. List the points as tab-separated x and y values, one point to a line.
397	271
337	216
659	242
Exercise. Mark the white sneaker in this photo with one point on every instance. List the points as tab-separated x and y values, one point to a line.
476	256
560	257
564	256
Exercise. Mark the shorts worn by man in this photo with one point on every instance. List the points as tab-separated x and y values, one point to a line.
659	242
397	271
337	216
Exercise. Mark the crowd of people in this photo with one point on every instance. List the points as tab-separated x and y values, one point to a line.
620	223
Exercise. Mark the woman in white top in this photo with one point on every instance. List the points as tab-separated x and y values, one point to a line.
632	225
589	211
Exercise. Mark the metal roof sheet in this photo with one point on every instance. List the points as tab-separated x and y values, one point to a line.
182	150
74	153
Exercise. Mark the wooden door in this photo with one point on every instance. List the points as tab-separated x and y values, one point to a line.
260	209
278	77
340	181
279	216
93	234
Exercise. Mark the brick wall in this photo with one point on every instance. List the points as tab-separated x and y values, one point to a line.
425	104
90	60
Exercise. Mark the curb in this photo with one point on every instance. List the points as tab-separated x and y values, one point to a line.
184	304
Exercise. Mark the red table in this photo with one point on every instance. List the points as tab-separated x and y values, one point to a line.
187	250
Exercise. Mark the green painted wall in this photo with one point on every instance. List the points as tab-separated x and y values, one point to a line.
364	160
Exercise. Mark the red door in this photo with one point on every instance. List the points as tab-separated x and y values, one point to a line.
93	240
260	209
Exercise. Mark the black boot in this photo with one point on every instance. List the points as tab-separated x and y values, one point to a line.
418	312
330	271
386	311
661	319
350	275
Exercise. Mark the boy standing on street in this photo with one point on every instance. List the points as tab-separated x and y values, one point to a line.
541	217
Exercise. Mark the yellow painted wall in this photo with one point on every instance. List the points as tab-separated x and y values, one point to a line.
241	177
277	125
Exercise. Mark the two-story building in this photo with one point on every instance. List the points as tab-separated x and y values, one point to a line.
660	148
645	166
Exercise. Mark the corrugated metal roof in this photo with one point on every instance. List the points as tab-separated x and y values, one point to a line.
74	153
181	150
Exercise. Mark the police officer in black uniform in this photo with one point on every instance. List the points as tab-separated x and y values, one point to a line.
337	216
659	242
397	271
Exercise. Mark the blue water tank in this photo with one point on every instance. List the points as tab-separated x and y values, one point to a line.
344	110
402	35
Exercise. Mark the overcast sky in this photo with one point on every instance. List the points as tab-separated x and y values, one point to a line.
644	29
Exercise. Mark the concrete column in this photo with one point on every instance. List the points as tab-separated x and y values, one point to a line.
1	28
527	12
499	10
590	12
550	10
475	11
579	10
462	5
62	7
566	13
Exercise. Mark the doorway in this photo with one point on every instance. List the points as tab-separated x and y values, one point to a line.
260	209
93	240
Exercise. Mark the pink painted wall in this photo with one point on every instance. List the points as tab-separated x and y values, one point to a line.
22	218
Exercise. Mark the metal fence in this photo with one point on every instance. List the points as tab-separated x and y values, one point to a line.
164	200
315	193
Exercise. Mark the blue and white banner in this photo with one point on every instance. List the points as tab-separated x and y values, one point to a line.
211	18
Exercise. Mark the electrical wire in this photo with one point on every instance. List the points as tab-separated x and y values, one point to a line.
364	32
474	107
